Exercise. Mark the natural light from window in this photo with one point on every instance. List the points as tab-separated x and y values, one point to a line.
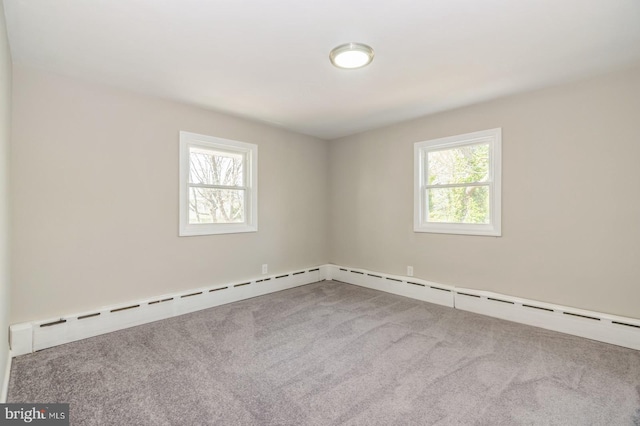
218	185
457	184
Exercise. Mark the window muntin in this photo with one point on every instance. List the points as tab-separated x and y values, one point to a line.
457	184
218	185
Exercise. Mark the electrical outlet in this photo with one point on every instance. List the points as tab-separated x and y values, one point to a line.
409	271
265	269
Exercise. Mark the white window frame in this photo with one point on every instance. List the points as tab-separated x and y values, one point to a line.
250	153
494	228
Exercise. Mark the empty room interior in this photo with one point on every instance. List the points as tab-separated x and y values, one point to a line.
320	213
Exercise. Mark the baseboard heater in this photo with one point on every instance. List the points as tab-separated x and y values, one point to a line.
37	335
607	328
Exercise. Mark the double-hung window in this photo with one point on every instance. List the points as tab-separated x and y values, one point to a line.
457	184
218	185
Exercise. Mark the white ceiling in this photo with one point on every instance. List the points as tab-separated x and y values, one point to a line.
268	60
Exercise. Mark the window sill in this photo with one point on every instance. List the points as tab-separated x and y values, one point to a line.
195	230
472	230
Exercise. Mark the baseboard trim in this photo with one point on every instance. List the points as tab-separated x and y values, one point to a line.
414	288
4	391
37	335
592	325
616	330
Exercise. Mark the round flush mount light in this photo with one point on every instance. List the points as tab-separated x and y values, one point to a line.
351	55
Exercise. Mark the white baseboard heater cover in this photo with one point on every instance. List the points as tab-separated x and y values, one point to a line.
37	335
612	329
33	336
403	286
592	325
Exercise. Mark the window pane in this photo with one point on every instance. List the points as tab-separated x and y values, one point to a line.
207	205
215	167
465	164
468	204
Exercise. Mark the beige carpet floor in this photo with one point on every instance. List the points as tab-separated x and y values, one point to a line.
331	354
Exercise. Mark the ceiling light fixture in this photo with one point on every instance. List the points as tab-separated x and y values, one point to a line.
351	55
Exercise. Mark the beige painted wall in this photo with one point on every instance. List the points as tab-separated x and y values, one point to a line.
5	135
95	198
94	195
571	198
